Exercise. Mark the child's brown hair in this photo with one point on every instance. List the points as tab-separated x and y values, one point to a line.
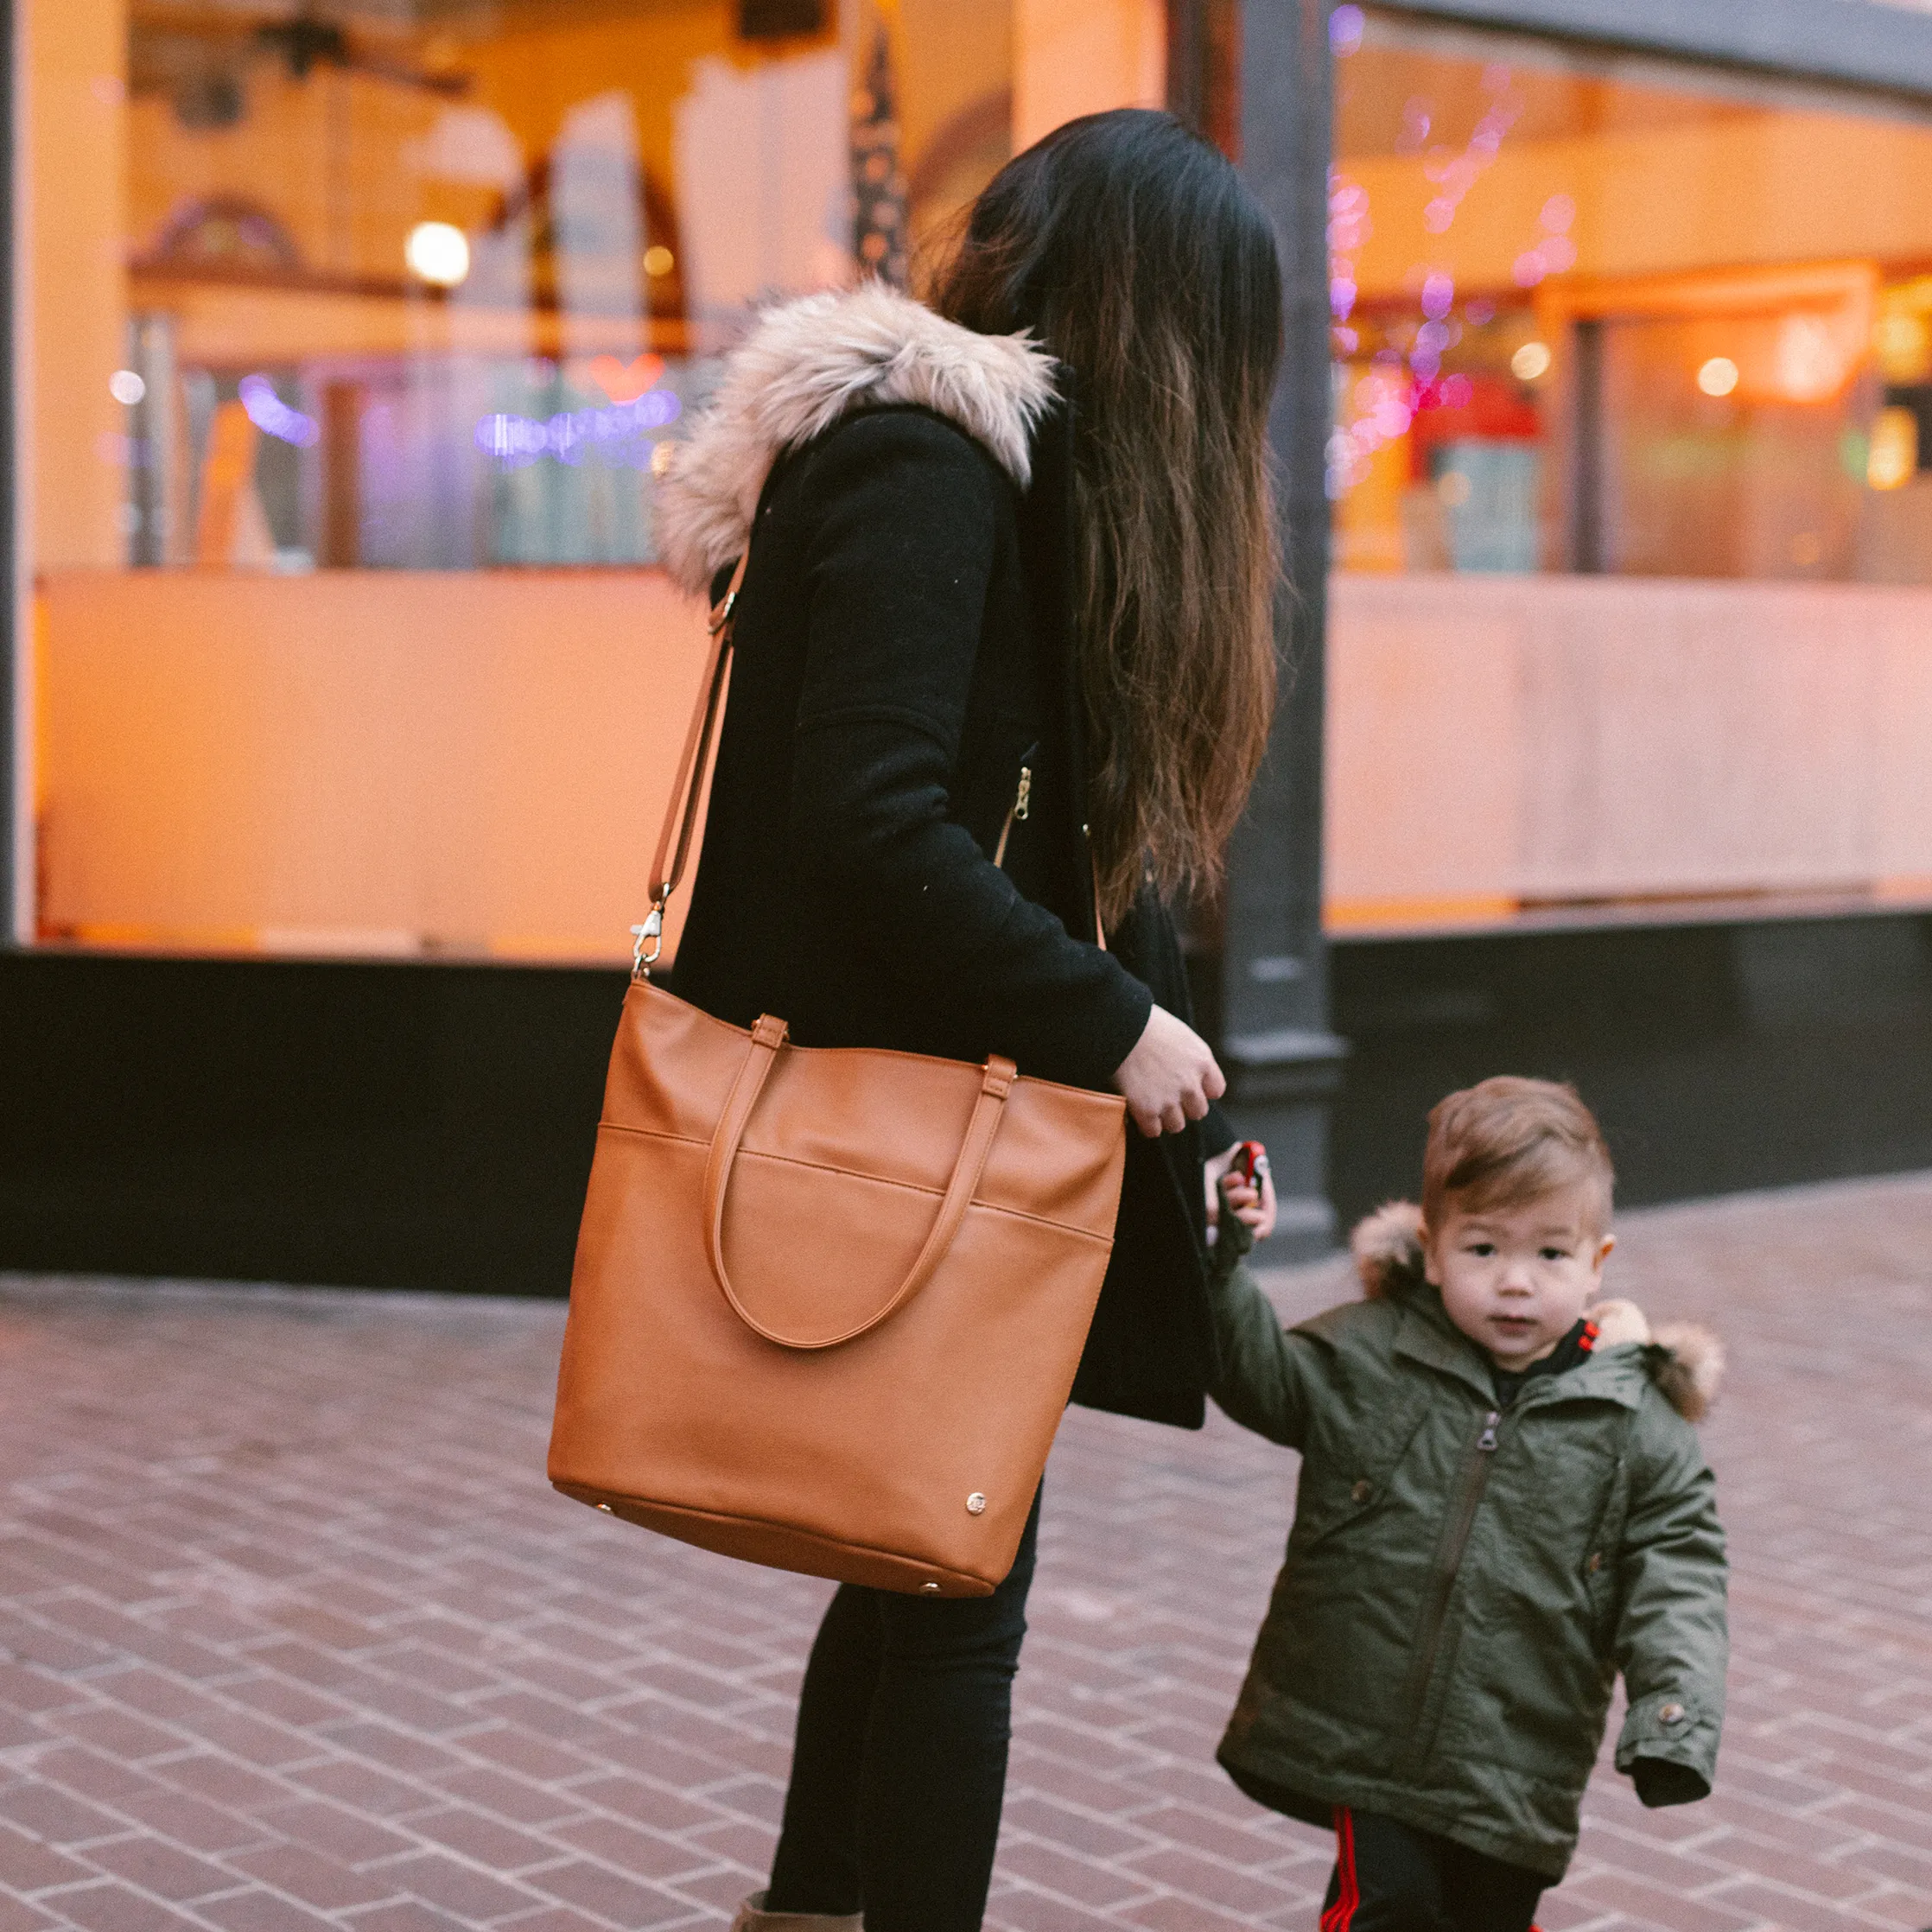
1508	1140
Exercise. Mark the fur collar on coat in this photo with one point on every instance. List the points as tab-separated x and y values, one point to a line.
807	363
1687	1360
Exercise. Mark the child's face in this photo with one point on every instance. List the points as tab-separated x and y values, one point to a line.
1514	1279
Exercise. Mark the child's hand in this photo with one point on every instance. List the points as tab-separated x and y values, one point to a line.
1253	1203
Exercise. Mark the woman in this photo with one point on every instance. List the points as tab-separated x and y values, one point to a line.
1003	666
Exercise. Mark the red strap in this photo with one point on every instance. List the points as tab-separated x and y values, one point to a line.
1340	1915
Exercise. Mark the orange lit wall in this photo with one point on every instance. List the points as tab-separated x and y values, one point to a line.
226	327
77	316
1078	57
1502	743
1783	186
358	761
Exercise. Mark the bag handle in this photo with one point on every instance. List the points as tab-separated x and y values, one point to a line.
767	1037
687	789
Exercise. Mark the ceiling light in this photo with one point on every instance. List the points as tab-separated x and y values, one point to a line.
438	253
1719	376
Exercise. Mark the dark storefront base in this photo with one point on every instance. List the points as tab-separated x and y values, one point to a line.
1716	1057
380	1126
430	1127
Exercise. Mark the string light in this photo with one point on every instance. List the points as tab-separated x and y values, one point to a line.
1348	227
1454	177
615	434
273	417
1553	251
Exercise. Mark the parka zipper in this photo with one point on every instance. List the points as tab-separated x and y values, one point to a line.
1462	1520
1022	805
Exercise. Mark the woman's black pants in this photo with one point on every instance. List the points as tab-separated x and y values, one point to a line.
901	1764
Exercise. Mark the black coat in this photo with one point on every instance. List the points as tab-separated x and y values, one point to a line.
902	651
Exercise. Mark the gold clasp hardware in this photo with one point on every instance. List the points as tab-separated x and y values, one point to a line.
1022	803
652	934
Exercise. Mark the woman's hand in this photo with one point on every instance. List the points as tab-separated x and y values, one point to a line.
1169	1077
1254	1204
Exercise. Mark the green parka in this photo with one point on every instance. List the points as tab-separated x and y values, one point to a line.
1464	1581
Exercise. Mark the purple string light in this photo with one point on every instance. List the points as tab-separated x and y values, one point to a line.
1384	401
1455	174
1348	228
273	417
1554	250
615	434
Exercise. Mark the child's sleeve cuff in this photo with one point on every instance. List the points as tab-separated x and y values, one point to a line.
1666	1738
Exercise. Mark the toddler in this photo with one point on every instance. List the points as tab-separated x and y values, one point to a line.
1501	1505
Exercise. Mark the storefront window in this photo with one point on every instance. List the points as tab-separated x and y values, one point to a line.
356	335
1631	473
1611	315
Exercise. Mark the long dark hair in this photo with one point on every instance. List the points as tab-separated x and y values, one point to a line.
1133	250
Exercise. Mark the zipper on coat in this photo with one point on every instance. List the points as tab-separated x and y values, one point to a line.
1022	805
1462	1520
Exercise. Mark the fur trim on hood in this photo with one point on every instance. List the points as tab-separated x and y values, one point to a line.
1686	1359
806	364
1388	1247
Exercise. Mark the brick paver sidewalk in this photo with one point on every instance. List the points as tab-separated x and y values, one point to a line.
293	1634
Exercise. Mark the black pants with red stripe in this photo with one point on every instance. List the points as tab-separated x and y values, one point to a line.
1392	1878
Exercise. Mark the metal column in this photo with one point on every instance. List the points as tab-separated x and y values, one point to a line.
15	657
1283	1062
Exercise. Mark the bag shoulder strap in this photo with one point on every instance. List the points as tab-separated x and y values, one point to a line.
687	791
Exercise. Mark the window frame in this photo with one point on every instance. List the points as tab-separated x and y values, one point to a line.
1870	44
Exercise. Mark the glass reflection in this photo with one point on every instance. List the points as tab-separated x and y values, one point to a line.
1623	318
486	253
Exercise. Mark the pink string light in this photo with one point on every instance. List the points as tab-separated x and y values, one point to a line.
1453	174
1553	251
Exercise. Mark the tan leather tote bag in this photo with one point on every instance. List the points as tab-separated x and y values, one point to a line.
828	1302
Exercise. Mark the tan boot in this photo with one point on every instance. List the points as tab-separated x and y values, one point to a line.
752	1917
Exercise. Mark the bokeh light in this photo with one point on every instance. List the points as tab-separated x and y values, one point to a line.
1893	461
271	415
1719	376
1531	362
1348	228
1454	176
438	253
1554	250
125	386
